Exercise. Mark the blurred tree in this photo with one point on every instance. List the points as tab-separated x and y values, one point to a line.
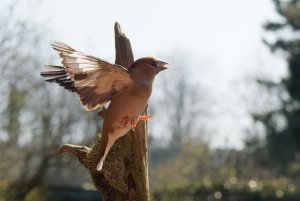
282	125
181	103
181	108
34	120
198	164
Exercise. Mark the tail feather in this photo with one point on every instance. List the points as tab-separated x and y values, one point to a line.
100	164
53	73
108	139
54	67
56	78
58	75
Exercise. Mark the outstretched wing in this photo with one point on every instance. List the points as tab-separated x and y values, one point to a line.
94	80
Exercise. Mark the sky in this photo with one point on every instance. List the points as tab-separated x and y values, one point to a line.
222	38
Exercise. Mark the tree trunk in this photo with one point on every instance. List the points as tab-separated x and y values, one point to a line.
125	174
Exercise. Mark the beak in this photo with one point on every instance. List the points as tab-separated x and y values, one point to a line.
161	65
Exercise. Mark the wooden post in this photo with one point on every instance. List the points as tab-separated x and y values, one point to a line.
125	173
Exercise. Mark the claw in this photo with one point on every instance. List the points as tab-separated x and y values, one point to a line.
133	123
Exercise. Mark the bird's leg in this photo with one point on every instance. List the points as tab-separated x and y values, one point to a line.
111	140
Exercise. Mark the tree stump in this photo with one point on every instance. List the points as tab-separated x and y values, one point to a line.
125	171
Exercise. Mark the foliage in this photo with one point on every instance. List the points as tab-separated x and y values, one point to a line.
36	194
198	172
239	191
281	124
179	103
34	120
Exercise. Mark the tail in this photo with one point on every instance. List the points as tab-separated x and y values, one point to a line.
108	139
100	164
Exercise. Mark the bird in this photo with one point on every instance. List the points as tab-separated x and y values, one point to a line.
98	82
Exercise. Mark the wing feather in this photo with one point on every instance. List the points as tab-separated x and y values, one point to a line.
94	80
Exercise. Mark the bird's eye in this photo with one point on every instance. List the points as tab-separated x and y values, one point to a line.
152	63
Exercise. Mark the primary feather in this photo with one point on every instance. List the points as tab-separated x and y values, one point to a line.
93	79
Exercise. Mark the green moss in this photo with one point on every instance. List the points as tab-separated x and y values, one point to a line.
36	194
198	192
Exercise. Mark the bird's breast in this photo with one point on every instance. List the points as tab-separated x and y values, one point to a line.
129	102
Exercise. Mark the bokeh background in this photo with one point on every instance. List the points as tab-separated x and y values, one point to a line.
227	112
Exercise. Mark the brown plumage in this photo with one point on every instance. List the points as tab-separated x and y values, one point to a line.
98	82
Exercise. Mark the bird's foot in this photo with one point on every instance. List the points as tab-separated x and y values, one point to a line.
133	120
124	121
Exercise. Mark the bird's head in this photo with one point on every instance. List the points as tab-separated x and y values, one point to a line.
147	67
158	65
